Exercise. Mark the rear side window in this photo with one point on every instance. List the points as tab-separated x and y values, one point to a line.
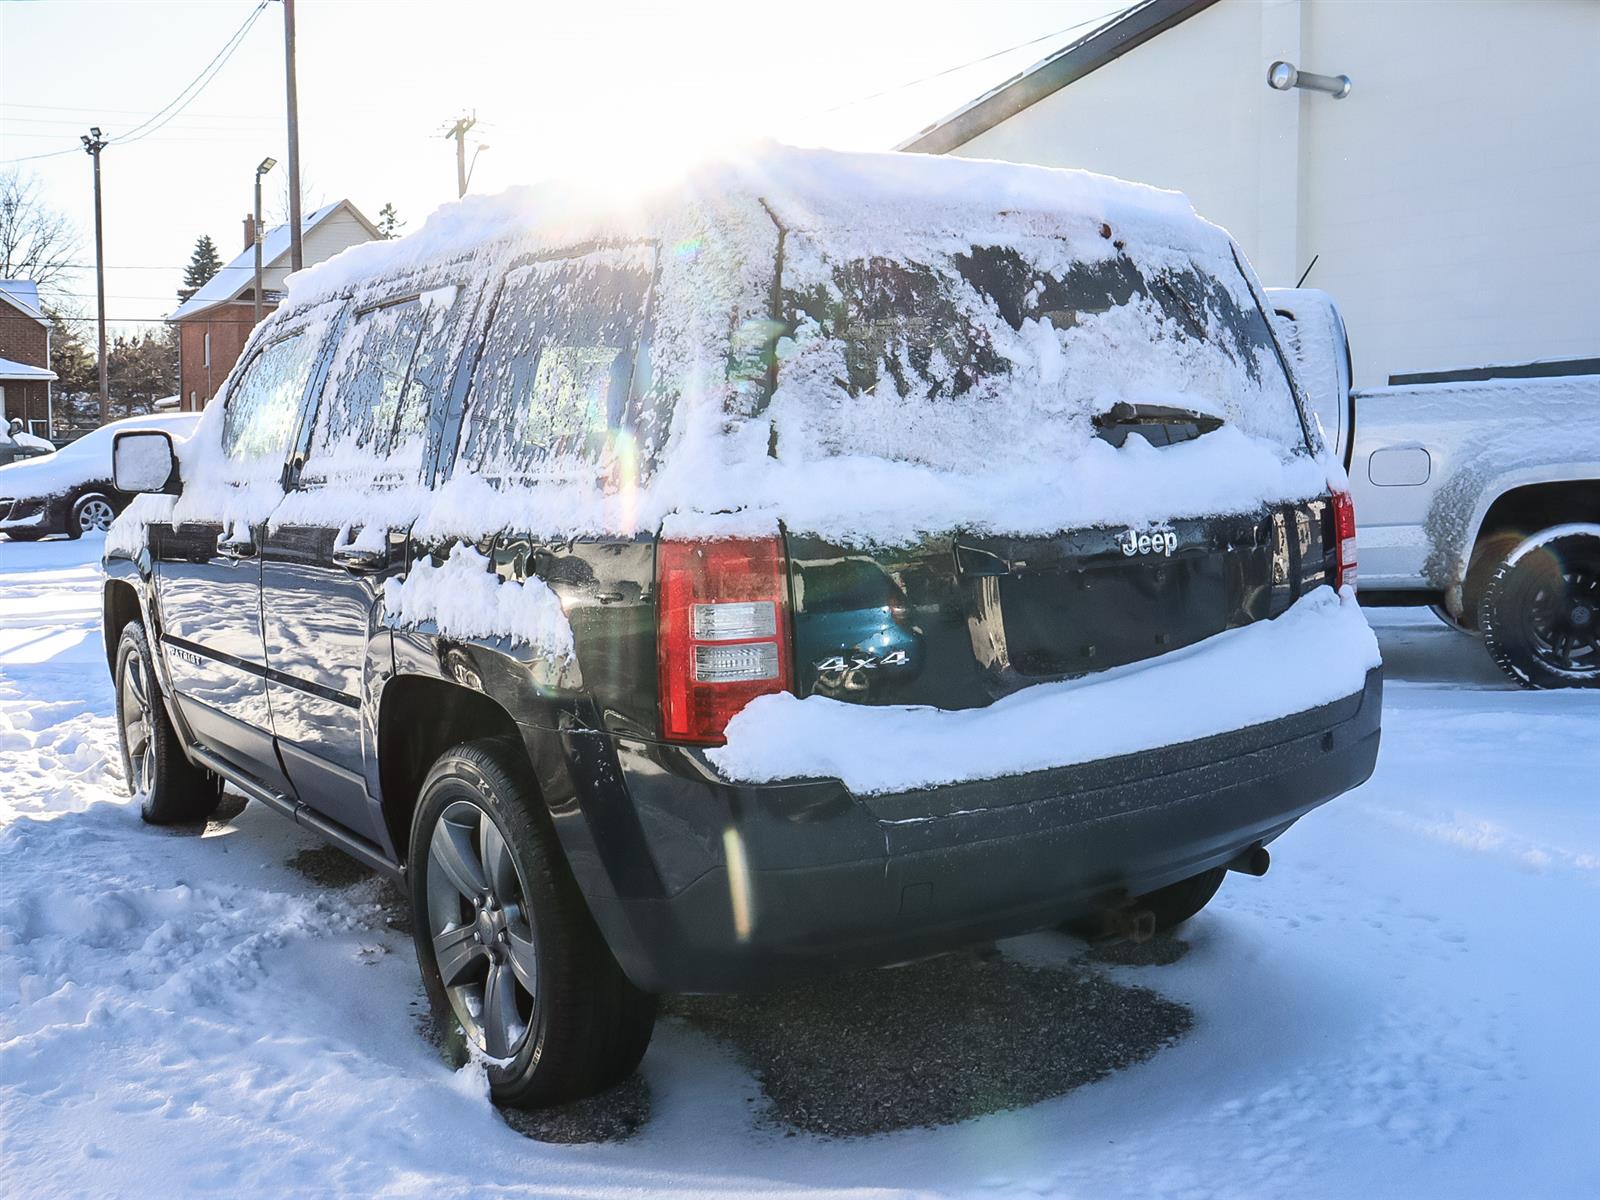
559	390
263	404
373	415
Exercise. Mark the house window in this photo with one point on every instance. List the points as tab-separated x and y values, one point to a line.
207	349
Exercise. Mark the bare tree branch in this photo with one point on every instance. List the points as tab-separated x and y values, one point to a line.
37	241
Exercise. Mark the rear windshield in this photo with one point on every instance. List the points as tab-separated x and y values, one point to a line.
989	350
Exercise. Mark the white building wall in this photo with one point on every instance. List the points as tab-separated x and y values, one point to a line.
1451	198
338	232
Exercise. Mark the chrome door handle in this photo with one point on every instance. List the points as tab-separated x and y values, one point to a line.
360	559
236	549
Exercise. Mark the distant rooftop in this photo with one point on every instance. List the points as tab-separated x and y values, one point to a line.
238	276
24	294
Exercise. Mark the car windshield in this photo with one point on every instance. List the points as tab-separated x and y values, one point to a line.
990	348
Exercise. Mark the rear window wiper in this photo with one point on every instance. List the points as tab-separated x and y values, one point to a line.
1158	424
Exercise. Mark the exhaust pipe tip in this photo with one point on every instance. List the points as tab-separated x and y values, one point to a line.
1253	861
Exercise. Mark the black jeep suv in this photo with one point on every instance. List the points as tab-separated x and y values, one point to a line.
822	563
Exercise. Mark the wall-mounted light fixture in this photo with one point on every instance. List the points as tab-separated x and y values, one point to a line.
1283	76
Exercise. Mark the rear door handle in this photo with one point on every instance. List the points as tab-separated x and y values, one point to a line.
360	560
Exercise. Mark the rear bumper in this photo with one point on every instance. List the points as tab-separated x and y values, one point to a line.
702	885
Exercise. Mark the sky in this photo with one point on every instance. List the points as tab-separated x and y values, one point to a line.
595	88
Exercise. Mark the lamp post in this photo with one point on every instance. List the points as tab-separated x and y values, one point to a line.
93	143
266	165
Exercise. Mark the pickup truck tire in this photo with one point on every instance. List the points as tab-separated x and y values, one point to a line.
516	971
170	789
1540	611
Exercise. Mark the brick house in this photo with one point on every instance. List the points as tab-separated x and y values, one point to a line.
25	374
214	323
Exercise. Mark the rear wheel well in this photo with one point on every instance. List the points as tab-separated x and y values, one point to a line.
121	607
419	719
1519	514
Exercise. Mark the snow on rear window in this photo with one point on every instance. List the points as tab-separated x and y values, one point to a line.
555	394
983	353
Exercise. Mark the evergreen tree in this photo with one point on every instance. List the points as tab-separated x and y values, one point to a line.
389	222
142	369
203	264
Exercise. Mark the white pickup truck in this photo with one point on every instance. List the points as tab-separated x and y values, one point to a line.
1480	498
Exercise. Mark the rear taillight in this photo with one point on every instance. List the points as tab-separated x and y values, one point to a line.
722	628
1344	537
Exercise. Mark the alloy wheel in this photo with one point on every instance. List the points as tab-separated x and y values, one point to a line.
95	516
137	713
481	930
1563	617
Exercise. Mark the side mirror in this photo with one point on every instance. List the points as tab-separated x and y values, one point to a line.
142	461
15	427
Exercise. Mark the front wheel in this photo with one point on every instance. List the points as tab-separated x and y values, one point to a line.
91	513
169	788
511	959
1541	609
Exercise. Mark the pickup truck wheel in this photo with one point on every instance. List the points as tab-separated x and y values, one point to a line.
516	971
169	788
1541	609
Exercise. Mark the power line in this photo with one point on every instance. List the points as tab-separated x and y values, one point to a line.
177	104
196	85
911	83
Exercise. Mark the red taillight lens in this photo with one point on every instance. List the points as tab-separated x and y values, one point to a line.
1344	536
722	628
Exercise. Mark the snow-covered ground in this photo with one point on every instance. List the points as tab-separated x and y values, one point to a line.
1403	1007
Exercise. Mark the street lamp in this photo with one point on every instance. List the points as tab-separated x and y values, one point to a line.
266	165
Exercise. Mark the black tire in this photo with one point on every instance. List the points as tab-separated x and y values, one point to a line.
1541	610
1171	906
581	1026
1490	550
170	789
1177	902
92	510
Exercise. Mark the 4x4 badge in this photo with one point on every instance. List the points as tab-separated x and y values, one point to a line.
1158	541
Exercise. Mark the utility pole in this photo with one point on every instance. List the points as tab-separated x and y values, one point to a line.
93	143
459	132
296	250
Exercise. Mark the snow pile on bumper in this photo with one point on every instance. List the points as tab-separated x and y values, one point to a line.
1316	653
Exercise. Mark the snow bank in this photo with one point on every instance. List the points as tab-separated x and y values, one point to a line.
462	597
1318	651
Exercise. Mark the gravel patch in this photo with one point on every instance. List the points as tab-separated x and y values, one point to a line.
612	1116
1162	950
934	1042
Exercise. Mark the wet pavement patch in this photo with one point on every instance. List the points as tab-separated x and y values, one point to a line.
934	1042
613	1116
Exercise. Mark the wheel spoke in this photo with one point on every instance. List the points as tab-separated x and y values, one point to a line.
496	859
524	956
502	1024
457	952
136	681
453	852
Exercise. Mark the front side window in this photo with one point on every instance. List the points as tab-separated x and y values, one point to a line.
555	394
262	405
374	408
